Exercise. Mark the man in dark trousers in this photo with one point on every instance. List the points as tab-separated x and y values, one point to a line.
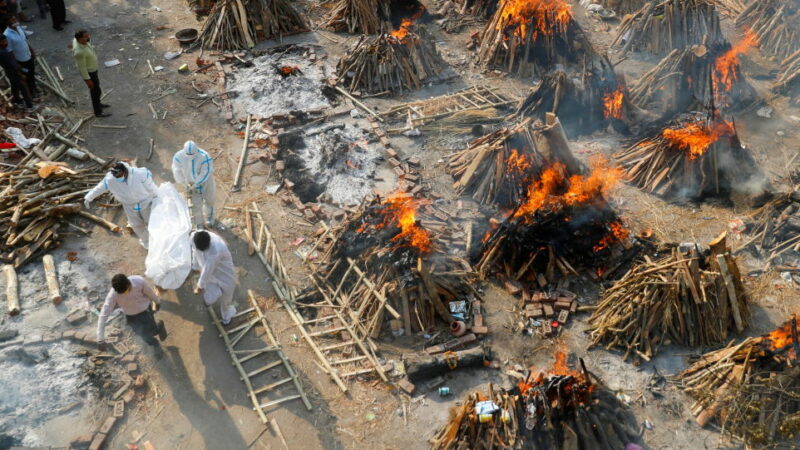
138	301
86	60
58	12
19	90
23	52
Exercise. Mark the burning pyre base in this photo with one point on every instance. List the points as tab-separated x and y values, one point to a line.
696	156
397	62
686	298
529	38
751	389
566	410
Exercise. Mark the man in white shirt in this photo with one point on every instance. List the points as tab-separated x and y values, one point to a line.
133	295
210	255
23	52
133	187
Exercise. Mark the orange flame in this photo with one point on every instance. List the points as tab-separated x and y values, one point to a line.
612	104
547	17
696	137
552	190
400	210
517	163
780	338
618	233
405	24
289	70
726	66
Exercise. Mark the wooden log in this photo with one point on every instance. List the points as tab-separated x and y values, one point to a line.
12	290
420	368
110	225
52	279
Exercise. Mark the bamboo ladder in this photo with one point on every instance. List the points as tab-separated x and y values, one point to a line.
266	365
470	99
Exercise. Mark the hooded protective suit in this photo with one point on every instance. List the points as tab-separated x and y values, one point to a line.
193	166
135	193
217	275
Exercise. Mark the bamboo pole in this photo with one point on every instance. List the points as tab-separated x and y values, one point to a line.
12	290
52	279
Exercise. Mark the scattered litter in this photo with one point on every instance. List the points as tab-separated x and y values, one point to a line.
18	137
765	112
112	63
171	55
158	68
272	188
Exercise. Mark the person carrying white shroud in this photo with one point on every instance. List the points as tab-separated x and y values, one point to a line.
210	255
193	167
133	187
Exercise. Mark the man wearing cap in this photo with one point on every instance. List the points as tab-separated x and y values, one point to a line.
133	187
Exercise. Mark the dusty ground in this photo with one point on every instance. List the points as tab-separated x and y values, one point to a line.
197	400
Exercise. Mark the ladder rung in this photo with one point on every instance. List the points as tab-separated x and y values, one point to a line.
340	344
280	400
255	350
356	372
328	331
318	319
251	356
265	368
272	386
246	311
242	326
348	360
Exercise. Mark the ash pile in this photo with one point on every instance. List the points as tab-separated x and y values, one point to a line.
289	79
331	163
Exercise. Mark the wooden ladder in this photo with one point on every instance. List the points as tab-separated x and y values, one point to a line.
256	362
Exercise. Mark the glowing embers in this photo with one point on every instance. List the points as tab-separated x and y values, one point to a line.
398	211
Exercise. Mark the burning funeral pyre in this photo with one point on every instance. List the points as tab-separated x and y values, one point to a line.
594	101
496	168
775	232
688	297
555	409
396	62
393	239
238	24
751	389
529	37
775	24
695	78
698	155
660	27
564	224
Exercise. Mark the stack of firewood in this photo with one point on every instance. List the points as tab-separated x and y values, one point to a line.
40	192
558	409
594	101
457	14
751	389
359	16
660	27
695	156
790	71
776	24
497	168
775	231
531	40
689	297
238	24
386	63
692	78
623	6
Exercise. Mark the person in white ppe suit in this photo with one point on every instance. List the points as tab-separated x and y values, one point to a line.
193	167
133	187
210	255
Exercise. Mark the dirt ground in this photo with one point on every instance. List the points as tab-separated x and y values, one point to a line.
197	400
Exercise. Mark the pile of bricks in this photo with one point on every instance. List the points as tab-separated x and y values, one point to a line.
551	310
406	169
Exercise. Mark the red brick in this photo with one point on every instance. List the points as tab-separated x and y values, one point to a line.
108	425
394	162
139	381
98	441
280	165
391	153
132	367
407	386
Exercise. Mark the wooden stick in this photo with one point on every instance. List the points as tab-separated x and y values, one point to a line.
243	158
12	290
52	279
110	225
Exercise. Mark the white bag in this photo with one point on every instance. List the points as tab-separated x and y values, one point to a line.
169	259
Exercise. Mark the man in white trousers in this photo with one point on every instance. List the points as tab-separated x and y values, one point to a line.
210	255
133	187
193	167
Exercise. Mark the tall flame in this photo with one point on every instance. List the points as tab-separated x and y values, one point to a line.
400	210
547	17
553	190
695	138
612	104
726	66
405	24
517	163
780	337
